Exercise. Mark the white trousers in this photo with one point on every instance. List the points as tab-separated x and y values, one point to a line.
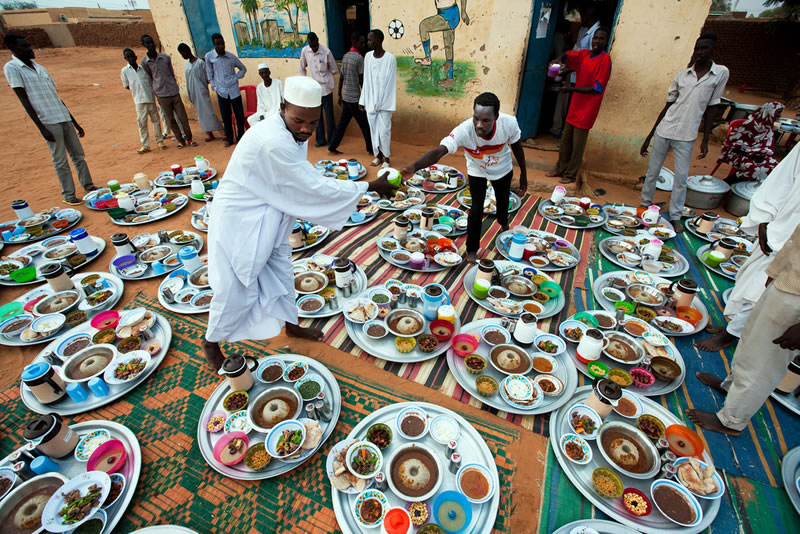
737	322
759	364
682	153
143	111
380	127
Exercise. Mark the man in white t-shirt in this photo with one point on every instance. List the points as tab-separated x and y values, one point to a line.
488	139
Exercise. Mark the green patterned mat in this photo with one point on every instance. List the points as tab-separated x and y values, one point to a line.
178	487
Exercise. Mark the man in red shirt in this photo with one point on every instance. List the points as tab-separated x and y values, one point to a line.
593	69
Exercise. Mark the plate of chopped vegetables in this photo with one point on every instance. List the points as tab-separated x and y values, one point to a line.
364	459
126	367
584	421
285	439
76	501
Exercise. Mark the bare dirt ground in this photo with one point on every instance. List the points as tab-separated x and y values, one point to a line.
89	83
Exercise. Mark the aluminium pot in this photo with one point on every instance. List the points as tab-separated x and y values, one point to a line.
738	202
705	192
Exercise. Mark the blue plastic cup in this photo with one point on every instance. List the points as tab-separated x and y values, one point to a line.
98	387
158	267
42	464
77	393
7	235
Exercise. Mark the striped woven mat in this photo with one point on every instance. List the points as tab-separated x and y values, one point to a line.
177	486
360	245
750	463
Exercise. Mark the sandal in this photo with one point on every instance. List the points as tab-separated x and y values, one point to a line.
180	145
191	143
375	162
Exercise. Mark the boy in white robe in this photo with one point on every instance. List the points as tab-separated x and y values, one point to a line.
197	87
378	96
268	184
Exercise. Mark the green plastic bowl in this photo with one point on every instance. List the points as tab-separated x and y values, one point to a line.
586	317
12	309
26	274
117	213
551	289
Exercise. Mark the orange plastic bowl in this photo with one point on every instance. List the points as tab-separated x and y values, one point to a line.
465	344
687	313
684	441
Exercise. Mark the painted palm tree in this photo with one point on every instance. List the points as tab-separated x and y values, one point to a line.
293	8
250	8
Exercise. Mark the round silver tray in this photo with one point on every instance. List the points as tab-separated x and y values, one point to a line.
385	348
69	467
162	332
70	226
471	446
197	244
658	387
197	217
412	192
702	250
165	529
187	184
130	188
320	239
544	203
564	372
180	307
601	283
432	267
679	267
322	167
789	401
207	440
454	233
581	476
551	308
361	285
46	289
445	169
500	245
639	228
790	472
516	203
120	222
689	224
603	527
39	261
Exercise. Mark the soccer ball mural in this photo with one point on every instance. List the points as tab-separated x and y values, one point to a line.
396	29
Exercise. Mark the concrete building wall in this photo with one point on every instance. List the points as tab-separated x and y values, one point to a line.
652	42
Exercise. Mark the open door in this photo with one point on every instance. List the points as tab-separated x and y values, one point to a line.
201	17
540	42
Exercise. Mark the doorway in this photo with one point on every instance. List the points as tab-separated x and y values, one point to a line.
555	28
343	17
201	16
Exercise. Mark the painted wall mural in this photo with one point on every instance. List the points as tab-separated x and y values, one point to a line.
427	74
270	28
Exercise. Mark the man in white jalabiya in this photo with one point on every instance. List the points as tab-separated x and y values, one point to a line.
773	217
378	96
268	184
197	87
269	96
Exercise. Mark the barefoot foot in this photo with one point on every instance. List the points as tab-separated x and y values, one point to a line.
472	258
553	174
293	330
334	152
710	421
712	381
717	342
713	328
213	354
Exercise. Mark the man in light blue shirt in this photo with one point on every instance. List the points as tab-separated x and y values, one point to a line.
221	67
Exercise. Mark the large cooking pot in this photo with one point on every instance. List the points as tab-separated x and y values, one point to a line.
705	192
738	202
